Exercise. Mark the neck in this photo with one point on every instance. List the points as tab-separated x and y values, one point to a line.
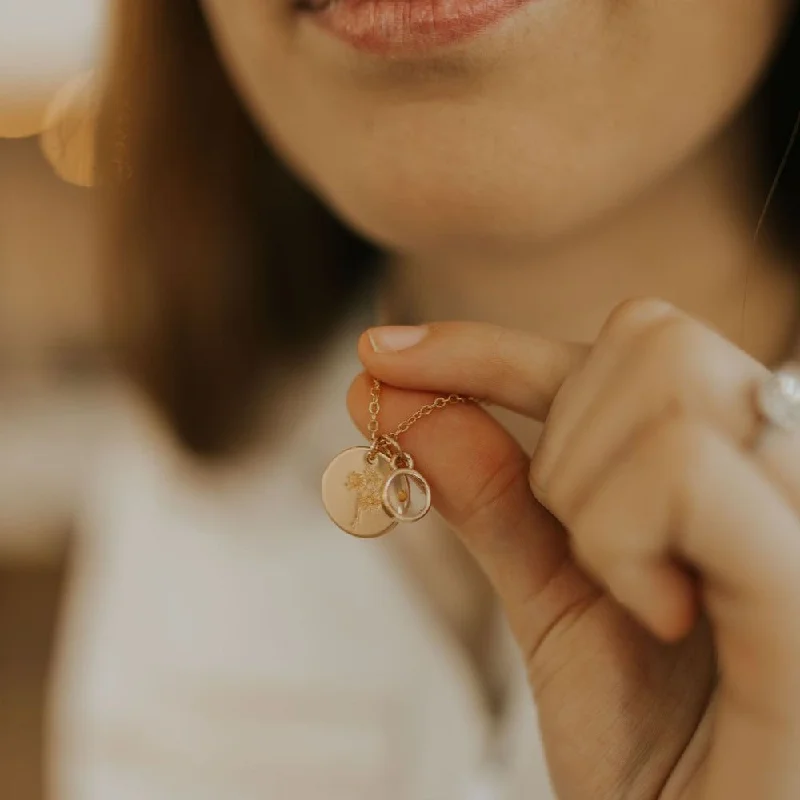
688	240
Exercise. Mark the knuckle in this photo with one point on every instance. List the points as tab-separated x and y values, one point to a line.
632	316
679	345
500	366
483	354
674	359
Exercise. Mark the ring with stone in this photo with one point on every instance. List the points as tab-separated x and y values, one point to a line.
778	399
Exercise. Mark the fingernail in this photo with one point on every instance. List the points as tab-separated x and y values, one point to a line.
393	338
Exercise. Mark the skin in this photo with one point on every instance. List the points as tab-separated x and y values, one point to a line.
531	180
546	123
654	495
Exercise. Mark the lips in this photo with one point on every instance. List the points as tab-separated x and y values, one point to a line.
396	27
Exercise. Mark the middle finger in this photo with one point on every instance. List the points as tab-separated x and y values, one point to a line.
676	364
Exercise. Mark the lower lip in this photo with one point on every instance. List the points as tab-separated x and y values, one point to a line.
398	27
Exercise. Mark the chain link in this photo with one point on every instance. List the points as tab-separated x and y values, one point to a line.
374	410
426	410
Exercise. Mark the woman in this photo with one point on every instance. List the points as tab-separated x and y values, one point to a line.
530	165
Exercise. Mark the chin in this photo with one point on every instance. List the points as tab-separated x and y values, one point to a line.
412	200
463	208
495	185
515	138
438	220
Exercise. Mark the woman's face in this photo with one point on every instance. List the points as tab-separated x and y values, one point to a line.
428	136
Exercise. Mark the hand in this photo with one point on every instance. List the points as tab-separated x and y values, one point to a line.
647	558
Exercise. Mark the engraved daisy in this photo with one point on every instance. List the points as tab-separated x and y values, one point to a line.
368	486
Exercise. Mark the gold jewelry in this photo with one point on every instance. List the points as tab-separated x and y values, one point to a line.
367	491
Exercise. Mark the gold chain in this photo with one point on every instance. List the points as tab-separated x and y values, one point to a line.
374	410
426	410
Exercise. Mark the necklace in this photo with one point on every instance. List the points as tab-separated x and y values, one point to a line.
368	490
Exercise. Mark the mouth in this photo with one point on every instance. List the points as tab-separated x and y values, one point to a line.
406	27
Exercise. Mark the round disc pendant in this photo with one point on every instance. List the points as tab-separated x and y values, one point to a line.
352	493
406	495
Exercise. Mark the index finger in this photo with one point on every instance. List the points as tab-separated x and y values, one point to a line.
479	481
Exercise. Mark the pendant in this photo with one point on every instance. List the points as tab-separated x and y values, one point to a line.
367	491
352	492
406	494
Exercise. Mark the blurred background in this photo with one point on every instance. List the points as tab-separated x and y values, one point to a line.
50	367
170	632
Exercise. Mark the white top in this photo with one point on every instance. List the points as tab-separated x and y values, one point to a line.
223	641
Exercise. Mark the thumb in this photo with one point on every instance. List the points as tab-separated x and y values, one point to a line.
479	484
513	369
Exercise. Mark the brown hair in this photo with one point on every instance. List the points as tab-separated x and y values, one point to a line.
224	271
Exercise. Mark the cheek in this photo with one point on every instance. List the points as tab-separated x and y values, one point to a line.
584	108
